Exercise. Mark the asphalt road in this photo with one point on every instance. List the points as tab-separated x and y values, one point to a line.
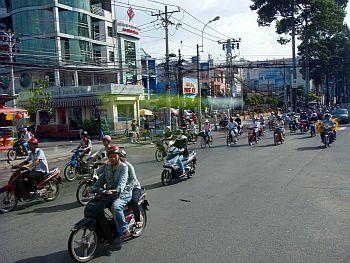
258	203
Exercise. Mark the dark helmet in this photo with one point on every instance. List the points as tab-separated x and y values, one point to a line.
122	153
113	149
33	141
84	134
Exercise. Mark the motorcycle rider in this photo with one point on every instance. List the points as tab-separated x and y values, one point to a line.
304	118
102	153
232	126
114	176
328	122
85	144
272	119
255	125
25	137
207	129
238	120
37	165
181	144
262	123
292	121
279	126
135	188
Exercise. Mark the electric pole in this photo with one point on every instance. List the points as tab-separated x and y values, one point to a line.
166	22
180	85
294	63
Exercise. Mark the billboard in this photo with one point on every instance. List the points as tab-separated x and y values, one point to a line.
190	87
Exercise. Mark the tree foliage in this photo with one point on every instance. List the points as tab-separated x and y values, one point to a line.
40	99
254	100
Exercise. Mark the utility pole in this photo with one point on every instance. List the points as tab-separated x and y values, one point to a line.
166	22
180	85
294	63
11	42
199	92
229	45
307	62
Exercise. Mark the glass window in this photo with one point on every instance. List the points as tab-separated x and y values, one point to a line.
75	117
111	56
37	51
76	51
41	22
82	4
74	23
25	3
109	31
130	61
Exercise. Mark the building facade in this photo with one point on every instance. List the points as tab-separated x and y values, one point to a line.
76	45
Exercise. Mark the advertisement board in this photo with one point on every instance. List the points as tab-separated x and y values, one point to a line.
127	28
190	87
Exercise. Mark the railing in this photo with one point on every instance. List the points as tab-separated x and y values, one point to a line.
97	9
99	36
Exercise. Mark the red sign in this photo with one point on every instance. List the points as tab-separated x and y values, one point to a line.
131	13
130	31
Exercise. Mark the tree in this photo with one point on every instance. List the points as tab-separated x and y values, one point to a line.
254	100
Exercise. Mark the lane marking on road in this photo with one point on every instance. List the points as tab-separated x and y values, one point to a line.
341	128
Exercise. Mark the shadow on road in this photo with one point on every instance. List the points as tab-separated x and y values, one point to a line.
305	137
63	256
153	186
266	145
52	209
313	148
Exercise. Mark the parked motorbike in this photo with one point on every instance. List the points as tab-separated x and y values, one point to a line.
252	136
303	126
232	137
171	168
278	136
98	226
48	189
77	166
17	150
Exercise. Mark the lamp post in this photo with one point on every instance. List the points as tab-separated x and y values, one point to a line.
198	76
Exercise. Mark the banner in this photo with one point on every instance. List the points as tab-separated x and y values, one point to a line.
190	87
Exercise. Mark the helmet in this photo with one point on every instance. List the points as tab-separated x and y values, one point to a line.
327	115
122	153
113	150
206	121
314	114
84	133
273	113
106	138
24	129
33	141
180	132
237	115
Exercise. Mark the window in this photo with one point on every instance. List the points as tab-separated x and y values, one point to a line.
111	56
109	31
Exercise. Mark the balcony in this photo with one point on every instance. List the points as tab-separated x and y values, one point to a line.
97	9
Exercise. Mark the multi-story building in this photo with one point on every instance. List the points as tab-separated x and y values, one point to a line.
149	73
83	51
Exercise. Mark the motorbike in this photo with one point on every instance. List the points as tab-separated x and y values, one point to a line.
303	126
271	124
192	136
312	129
293	126
206	140
171	169
85	186
223	123
327	136
48	189
240	129
278	135
17	150
162	147
77	166
251	136
98	226
232	137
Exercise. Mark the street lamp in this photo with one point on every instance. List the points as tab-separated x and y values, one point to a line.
198	76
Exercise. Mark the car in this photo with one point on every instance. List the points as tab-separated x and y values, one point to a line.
342	115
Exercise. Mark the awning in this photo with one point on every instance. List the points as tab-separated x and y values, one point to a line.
10	110
144	112
75	102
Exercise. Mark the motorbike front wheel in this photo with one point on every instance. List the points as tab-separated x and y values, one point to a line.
203	142
82	193
53	190
166	177
82	244
12	155
159	155
70	173
8	201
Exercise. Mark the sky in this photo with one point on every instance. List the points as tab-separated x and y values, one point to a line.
236	21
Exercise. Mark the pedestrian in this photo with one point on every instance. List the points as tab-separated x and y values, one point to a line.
134	131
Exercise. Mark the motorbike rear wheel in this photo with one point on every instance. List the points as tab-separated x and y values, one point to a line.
12	155
53	190
203	142
159	155
276	139
8	201
82	193
70	173
166	177
136	232
82	244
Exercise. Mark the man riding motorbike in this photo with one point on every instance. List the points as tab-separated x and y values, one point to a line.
232	128
207	129
255	125
328	122
114	176
272	119
238	120
37	165
85	144
293	122
181	144
102	153
279	127
25	137
135	187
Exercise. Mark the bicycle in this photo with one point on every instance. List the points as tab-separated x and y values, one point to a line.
206	140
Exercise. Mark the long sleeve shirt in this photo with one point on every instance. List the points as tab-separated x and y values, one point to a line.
132	180
114	180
